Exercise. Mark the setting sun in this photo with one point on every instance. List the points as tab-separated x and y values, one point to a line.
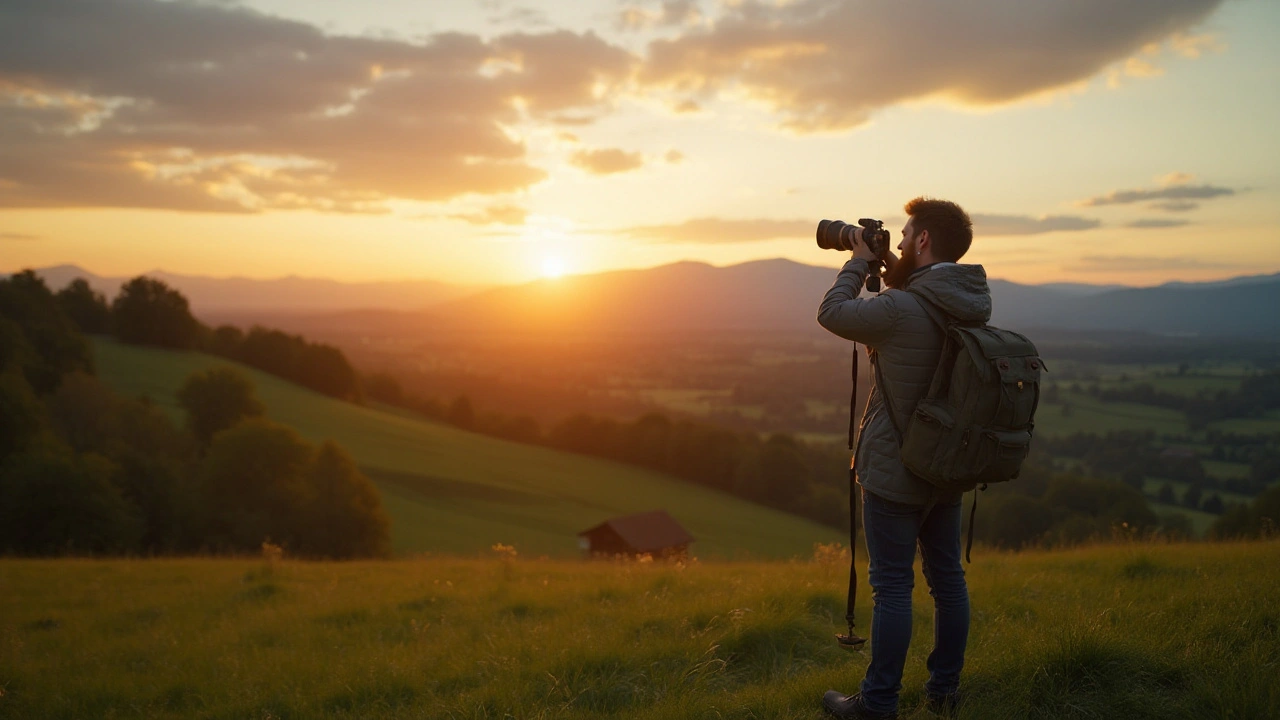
552	266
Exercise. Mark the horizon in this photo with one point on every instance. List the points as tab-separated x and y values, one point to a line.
569	276
575	140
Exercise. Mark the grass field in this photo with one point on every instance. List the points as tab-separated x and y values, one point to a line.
457	492
1120	631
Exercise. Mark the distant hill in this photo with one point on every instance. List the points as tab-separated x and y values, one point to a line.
781	295
220	296
765	295
452	491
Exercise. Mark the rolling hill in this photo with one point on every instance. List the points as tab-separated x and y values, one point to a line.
452	491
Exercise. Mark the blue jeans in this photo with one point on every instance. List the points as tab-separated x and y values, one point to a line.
893	532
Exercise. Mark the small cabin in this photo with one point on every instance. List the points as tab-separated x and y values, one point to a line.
653	533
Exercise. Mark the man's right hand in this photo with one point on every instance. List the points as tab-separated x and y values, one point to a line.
860	249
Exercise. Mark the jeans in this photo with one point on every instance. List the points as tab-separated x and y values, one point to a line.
893	532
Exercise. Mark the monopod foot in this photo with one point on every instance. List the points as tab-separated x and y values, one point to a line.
850	641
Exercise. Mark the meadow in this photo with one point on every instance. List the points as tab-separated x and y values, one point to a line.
448	490
1109	631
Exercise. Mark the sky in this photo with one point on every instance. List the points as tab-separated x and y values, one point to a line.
483	142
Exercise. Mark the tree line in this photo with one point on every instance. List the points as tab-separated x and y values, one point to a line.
149	312
86	470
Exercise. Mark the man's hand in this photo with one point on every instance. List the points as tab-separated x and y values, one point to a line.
860	249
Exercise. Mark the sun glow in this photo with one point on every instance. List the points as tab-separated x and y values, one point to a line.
552	266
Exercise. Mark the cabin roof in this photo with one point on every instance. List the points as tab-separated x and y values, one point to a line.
645	532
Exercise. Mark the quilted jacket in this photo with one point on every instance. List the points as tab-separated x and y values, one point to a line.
907	343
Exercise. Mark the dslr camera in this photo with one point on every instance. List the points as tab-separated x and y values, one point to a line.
838	235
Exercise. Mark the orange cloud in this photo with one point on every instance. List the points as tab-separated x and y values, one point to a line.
205	107
606	161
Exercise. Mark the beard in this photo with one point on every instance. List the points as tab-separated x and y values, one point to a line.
897	277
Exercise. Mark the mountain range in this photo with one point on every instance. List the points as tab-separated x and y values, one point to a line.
765	295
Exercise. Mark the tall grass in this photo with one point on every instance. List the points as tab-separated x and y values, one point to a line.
1121	631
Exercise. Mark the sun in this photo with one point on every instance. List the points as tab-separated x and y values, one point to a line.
552	266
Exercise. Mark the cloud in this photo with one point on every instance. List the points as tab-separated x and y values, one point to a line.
1140	263
674	156
1174	206
717	231
670	13
1151	223
210	107
988	225
17	236
829	64
495	215
1174	192
606	161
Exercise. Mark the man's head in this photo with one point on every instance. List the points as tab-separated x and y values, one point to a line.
936	231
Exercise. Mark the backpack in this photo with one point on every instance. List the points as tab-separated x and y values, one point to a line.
974	424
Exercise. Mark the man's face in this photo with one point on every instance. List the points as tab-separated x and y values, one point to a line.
908	244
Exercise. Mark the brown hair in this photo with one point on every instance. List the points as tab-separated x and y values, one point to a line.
949	226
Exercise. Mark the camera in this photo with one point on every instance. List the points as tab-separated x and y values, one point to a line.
838	235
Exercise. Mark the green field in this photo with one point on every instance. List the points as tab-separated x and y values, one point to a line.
1121	631
451	491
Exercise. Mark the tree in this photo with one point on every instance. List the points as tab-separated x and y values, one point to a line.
1165	494
253	486
149	312
1213	504
50	346
53	501
215	400
86	307
1191	498
344	518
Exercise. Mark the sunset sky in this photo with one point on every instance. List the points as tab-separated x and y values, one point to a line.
496	141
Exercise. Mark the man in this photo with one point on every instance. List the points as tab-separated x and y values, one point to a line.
900	511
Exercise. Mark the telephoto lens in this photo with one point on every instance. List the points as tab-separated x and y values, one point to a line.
836	235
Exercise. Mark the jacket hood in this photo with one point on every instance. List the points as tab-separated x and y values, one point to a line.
960	290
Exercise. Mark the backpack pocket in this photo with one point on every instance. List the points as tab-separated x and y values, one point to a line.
927	449
1000	454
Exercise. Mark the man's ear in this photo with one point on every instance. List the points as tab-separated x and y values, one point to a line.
922	242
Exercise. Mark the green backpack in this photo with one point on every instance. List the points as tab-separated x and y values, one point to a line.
974	424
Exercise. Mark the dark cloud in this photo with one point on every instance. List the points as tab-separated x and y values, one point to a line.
1153	223
988	225
17	236
1180	193
717	231
139	103
606	161
828	64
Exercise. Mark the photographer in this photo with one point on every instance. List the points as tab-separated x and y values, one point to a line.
900	511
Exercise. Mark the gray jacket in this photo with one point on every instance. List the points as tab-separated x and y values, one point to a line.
907	343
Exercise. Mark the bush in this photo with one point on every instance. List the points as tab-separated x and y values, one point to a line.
344	516
261	481
55	501
252	486
215	400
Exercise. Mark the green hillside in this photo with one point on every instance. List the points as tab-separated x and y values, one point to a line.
457	492
1131	632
